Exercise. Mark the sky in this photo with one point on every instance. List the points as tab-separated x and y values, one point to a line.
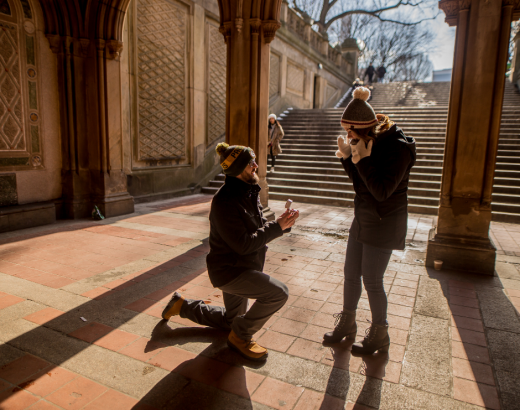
442	56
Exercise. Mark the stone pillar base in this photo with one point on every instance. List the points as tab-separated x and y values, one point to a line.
461	255
115	205
269	214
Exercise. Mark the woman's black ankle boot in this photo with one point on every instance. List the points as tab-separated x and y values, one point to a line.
376	339
345	326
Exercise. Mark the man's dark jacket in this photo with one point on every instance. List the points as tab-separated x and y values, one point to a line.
238	232
381	185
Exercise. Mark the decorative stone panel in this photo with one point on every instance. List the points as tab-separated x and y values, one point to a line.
161	59
295	79
216	85
330	93
20	145
274	76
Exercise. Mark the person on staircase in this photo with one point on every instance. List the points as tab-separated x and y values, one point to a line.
238	239
381	71
275	136
378	158
370	73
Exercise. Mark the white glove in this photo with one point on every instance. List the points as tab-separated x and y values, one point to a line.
344	150
360	151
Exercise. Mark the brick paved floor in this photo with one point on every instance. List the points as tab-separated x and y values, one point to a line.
455	336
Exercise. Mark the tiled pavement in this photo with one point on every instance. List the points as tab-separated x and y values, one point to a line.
455	337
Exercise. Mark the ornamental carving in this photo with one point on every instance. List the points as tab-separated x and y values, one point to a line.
217	86
19	107
295	79
161	45
274	75
270	27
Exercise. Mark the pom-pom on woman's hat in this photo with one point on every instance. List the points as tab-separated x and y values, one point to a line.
359	113
235	158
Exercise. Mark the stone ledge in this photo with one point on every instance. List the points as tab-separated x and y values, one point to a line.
17	217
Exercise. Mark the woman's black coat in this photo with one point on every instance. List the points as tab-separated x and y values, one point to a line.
381	185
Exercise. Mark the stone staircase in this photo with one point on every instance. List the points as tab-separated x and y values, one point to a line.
308	170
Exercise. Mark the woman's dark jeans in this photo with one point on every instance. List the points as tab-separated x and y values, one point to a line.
273	157
367	262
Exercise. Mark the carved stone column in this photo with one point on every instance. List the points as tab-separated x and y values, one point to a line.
248	27
89	75
461	238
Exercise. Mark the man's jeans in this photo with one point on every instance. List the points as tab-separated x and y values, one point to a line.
270	295
367	262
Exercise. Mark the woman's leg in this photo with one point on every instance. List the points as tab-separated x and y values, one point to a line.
374	264
352	271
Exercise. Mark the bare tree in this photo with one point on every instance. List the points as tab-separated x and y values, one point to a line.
403	50
327	12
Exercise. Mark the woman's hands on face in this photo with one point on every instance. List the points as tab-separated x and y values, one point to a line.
344	150
360	151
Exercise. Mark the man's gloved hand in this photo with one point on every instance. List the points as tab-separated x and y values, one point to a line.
344	149
360	151
288	218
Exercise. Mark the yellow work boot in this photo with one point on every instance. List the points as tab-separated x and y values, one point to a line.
247	349
173	308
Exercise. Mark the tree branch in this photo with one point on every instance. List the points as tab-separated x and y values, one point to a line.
374	13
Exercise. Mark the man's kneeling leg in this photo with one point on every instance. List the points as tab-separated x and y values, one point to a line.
270	295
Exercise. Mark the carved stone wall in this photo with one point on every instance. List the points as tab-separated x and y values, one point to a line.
161	54
274	76
295	79
20	144
330	93
216	85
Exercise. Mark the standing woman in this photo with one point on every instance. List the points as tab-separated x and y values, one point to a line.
275	135
377	158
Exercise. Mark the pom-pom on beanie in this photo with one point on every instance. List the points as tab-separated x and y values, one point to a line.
235	158
359	113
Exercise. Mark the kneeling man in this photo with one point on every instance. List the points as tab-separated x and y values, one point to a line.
237	239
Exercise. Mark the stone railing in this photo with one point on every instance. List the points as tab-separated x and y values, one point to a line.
302	28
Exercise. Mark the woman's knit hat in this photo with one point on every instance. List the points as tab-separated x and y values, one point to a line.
235	158
271	116
359	113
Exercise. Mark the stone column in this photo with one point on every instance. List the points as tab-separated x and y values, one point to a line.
247	105
515	66
307	30
461	238
89	75
284	11
324	46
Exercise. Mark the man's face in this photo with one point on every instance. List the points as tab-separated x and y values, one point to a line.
249	174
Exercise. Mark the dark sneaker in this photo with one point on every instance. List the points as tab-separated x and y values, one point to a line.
173	308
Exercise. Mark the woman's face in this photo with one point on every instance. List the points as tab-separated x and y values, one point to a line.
271	120
353	137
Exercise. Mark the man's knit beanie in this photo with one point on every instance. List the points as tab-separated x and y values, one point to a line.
359	113
235	158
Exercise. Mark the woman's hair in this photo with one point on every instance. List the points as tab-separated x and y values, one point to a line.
371	133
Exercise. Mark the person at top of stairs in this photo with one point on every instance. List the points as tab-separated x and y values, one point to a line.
275	136
378	160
